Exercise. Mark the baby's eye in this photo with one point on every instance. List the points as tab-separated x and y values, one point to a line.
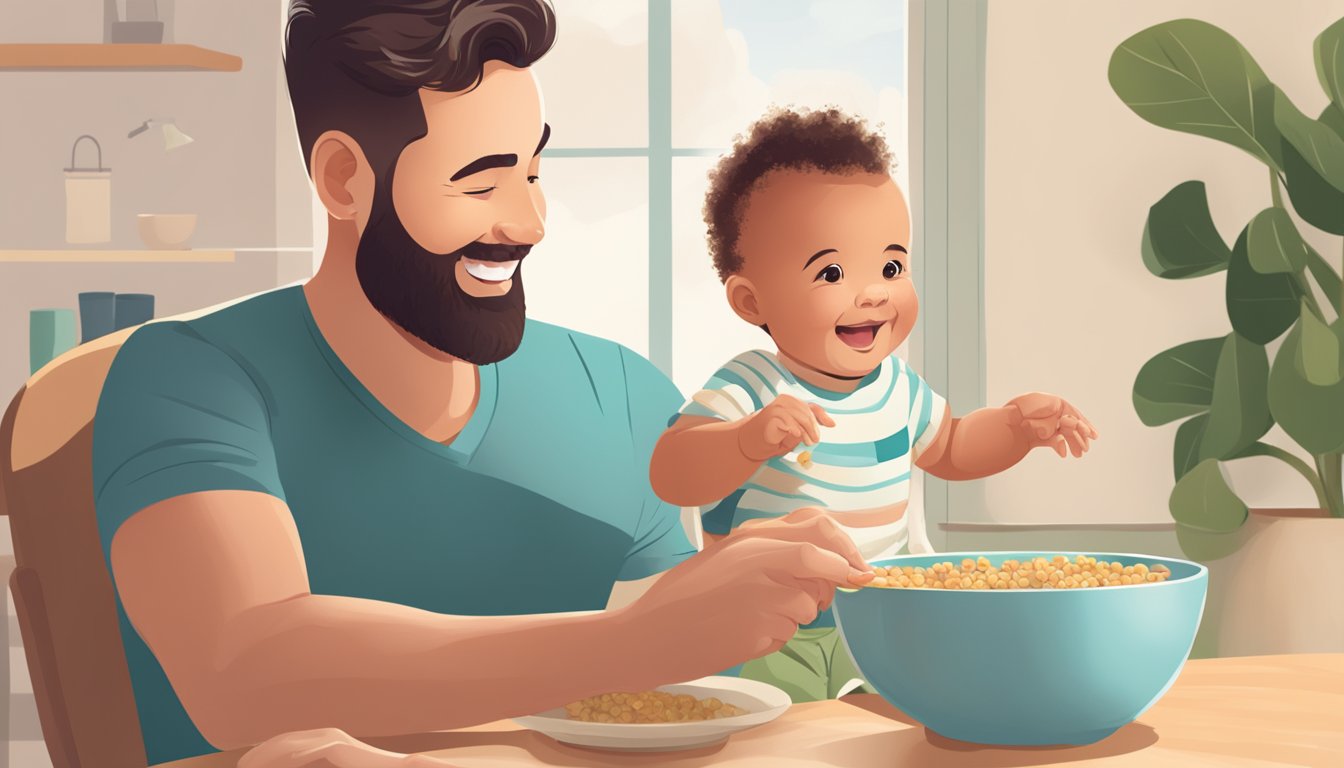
831	273
893	269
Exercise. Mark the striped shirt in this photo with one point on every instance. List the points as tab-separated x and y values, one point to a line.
862	464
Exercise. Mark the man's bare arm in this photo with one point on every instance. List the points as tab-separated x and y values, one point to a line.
216	584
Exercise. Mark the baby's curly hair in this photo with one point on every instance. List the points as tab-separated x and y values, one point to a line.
825	140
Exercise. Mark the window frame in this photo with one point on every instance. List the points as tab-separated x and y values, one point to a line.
945	87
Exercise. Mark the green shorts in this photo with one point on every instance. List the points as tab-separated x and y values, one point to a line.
813	666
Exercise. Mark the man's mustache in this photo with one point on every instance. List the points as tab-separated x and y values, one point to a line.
479	251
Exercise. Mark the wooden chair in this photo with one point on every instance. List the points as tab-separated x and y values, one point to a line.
62	589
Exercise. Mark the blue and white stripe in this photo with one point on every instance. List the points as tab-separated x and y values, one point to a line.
863	463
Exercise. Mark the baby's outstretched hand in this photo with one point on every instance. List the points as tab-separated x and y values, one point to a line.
780	427
1051	421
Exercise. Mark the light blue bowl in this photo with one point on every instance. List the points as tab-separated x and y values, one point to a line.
1024	667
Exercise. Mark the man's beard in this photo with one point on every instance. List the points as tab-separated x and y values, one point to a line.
418	291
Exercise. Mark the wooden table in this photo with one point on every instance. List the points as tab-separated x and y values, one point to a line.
1252	711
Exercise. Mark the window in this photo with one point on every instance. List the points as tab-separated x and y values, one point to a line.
638	119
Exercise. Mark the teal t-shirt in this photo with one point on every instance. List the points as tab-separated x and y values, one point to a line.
550	476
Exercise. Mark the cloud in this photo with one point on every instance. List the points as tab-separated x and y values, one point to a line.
835	20
715	95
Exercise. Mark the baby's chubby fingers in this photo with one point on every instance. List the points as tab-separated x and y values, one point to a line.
802	415
823	418
1087	425
806	415
1076	433
1076	441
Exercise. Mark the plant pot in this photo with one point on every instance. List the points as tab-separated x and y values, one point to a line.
1277	594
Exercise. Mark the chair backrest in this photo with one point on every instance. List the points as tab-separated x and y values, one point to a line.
62	588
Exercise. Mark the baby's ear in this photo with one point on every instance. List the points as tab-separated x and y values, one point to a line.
742	298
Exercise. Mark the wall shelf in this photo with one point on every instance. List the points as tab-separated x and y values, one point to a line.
127	57
116	257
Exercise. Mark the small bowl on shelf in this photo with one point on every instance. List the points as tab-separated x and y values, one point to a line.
166	231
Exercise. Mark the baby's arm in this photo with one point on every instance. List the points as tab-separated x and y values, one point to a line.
989	440
700	460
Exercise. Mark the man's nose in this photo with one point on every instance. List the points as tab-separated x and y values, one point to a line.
520	222
519	234
874	295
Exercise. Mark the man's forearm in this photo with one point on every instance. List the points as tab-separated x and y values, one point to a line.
700	465
373	668
982	443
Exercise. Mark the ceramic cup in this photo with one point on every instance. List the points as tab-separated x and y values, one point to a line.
51	332
97	314
133	309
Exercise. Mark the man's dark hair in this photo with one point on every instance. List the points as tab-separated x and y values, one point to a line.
358	65
825	140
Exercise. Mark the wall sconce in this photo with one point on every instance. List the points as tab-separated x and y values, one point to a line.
173	137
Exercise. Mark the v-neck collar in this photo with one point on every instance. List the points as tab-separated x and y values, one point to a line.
462	448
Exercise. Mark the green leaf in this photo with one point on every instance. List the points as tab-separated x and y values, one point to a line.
1313	165
1332	117
1311	414
1273	243
1325	275
1206	546
1315	199
1191	76
1239	414
1179	239
1329	49
1177	382
1318	355
1202	500
1317	142
1185	453
1260	306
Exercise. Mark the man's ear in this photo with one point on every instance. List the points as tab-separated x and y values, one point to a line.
342	177
742	298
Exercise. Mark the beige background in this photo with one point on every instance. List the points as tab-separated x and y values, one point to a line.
1070	175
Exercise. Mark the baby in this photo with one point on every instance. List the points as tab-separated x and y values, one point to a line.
811	237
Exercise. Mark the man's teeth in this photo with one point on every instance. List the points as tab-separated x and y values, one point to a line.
490	271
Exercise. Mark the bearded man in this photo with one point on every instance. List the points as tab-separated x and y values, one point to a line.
385	501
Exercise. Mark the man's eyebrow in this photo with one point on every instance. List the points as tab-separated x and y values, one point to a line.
895	247
485	164
818	255
545	137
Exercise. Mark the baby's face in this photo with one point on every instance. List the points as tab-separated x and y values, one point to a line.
826	266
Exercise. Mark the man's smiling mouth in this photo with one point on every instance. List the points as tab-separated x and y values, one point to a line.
861	336
490	271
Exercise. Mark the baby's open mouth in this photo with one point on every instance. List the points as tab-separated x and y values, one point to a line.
859	336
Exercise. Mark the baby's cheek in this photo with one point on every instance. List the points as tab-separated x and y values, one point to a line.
906	301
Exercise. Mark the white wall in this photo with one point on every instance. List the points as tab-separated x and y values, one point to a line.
1070	175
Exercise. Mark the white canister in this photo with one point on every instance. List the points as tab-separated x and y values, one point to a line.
88	200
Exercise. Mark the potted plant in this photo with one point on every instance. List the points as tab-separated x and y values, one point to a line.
1191	76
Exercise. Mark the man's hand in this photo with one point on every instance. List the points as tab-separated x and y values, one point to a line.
1051	421
779	427
744	596
329	748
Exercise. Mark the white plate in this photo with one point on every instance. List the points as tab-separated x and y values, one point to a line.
762	702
